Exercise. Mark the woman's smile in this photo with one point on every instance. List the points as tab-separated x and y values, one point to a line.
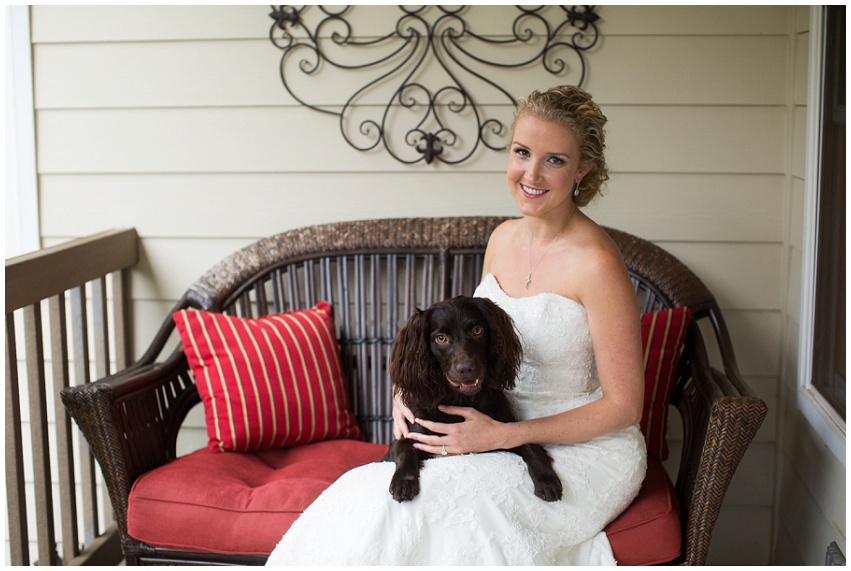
532	192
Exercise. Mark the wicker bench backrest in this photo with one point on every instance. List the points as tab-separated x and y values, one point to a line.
372	296
376	273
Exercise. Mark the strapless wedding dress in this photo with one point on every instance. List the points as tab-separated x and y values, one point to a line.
480	509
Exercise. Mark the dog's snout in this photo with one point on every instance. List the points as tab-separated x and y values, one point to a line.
465	369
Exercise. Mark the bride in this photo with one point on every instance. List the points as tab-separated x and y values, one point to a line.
578	392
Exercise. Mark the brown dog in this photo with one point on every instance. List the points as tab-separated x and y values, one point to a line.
464	352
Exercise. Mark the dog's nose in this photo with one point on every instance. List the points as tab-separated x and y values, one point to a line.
464	369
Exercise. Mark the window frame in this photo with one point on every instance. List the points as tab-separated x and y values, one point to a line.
21	189
824	419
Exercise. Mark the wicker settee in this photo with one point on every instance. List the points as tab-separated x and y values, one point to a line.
374	273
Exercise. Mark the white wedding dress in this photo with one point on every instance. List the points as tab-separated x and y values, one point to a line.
480	509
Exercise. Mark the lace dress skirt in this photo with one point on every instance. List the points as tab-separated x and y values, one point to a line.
480	509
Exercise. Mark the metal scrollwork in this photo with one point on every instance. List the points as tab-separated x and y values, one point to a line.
427	45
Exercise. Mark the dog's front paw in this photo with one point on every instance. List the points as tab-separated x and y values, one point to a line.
548	488
404	487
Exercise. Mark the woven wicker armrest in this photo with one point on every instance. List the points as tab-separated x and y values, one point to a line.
719	411
123	418
721	415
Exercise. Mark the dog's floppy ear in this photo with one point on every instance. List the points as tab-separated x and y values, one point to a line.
413	368
505	349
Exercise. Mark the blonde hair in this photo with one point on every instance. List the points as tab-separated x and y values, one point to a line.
572	107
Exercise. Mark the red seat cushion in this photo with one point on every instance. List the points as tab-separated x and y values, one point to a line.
649	531
237	502
242	503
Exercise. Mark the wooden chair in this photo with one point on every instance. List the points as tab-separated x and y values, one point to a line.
374	273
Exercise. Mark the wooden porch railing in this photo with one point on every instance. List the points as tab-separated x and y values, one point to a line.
67	320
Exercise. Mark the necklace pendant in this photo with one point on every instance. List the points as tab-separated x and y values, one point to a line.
527	281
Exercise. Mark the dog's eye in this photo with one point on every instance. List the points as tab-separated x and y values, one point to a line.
441	339
477	330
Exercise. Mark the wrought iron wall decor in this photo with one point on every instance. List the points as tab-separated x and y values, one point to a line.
426	77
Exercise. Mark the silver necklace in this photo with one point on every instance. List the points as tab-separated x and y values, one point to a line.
528	279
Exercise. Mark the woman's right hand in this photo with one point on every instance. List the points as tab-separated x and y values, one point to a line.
402	415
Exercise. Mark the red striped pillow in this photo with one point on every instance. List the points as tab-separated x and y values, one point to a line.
268	382
662	336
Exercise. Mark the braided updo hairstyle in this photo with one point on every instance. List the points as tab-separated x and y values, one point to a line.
572	107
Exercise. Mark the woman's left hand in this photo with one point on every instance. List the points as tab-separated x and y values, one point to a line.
478	433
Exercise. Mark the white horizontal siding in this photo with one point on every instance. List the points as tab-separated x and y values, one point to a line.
199	73
656	206
260	139
52	24
173	120
305	199
97	24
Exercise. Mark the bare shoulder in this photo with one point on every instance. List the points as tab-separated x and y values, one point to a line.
596	246
505	231
600	264
500	240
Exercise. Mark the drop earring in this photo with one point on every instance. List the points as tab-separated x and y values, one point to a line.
576	190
